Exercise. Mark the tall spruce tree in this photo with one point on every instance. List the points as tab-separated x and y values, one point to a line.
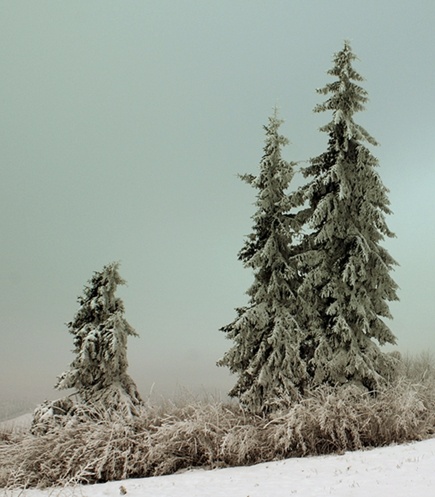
99	370
266	333
347	280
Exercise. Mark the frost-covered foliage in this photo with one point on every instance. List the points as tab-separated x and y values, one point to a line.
165	438
100	330
266	333
347	272
52	414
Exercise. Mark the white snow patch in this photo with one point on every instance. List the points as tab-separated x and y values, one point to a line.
19	424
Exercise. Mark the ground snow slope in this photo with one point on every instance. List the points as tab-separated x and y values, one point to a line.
16	425
399	471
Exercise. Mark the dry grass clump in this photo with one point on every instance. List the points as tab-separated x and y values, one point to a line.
162	440
335	420
94	446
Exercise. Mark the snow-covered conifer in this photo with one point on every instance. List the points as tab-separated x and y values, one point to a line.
266	333
99	370
347	280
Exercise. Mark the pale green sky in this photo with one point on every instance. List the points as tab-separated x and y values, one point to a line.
123	125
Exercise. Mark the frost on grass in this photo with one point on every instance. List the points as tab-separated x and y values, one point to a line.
163	439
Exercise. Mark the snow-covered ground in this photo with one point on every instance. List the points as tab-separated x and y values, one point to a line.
18	424
399	471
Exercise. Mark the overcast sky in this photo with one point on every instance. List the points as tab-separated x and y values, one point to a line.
123	126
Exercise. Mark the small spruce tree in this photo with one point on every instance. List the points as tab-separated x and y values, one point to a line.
266	333
347	272
99	370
